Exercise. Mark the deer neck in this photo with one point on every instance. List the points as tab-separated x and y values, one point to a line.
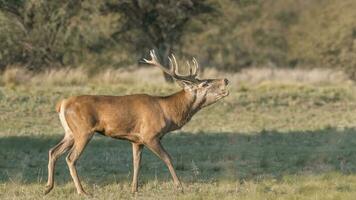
179	107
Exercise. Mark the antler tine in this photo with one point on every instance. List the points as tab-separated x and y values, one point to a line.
154	61
153	58
196	67
172	66
192	72
190	68
153	55
175	65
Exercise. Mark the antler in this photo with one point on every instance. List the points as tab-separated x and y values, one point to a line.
193	72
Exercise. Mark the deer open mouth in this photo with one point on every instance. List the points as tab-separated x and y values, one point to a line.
223	94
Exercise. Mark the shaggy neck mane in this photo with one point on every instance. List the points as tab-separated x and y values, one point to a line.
178	107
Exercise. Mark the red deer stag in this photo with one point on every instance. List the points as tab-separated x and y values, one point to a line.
139	118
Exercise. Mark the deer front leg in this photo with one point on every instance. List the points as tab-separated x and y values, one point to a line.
156	147
136	159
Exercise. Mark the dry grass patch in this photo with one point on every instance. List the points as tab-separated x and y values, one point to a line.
15	75
143	75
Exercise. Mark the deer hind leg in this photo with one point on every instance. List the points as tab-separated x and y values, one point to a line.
73	156
53	154
156	147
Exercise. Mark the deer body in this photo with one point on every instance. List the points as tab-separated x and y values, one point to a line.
140	118
136	118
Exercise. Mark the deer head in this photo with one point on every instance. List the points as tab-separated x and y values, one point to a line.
205	91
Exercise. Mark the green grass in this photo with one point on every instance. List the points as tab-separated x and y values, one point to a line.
268	141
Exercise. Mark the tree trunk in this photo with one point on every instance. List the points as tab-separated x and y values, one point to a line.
164	51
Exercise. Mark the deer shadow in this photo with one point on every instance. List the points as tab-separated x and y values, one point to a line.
197	157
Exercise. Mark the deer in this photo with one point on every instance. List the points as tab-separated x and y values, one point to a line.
141	119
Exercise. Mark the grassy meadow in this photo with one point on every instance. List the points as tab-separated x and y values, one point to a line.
280	134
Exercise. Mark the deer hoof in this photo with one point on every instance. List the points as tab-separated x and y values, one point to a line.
179	189
86	194
48	189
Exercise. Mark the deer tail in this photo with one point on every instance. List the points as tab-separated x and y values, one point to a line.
58	106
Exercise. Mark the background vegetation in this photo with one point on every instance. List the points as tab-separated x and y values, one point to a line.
226	34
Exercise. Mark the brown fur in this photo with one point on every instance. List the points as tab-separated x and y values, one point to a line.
140	118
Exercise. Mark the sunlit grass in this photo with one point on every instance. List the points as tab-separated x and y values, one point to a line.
267	140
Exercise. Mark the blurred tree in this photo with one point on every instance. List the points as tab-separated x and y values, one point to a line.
147	24
39	32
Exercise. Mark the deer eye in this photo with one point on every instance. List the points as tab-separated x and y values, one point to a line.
205	84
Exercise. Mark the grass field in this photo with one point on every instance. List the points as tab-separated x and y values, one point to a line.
270	139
